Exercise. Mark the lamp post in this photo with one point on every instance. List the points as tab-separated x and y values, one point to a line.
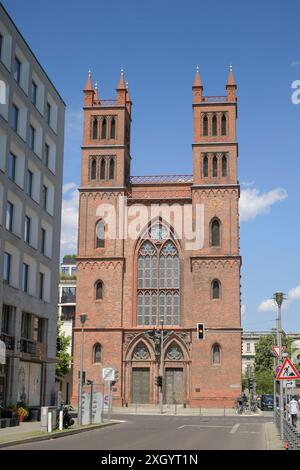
161	368
279	297
83	318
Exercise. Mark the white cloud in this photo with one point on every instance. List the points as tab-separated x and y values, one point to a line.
69	219
295	63
253	202
243	311
269	304
68	186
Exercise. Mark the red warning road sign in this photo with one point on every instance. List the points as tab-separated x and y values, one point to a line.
288	371
276	350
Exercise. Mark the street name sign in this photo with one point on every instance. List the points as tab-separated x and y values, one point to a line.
288	371
108	374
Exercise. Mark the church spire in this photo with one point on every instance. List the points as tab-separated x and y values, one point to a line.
89	86
121	90
231	86
96	96
88	91
197	87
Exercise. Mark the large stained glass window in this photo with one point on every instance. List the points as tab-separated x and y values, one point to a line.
158	280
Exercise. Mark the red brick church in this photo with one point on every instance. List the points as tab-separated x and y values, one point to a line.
131	288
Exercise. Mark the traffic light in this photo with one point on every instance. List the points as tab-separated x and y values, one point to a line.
159	381
250	383
200	330
112	383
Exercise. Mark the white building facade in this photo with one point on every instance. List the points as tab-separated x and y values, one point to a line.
250	340
66	313
31	163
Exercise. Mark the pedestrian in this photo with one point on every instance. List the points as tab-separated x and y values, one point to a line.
294	409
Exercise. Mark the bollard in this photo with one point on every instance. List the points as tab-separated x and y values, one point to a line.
136	408
175	408
49	421
61	415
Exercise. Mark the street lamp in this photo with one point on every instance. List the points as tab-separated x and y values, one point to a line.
83	318
279	298
161	368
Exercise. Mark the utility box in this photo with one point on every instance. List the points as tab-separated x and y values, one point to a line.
44	417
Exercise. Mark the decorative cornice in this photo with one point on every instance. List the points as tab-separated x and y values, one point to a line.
211	143
101	263
207	262
160	194
214	191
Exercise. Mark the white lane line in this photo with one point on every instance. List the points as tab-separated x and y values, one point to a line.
234	428
201	426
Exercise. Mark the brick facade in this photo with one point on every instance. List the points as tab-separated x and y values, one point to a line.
190	372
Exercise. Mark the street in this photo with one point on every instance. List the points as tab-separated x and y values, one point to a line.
166	432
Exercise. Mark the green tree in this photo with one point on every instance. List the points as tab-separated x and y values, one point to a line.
264	382
63	358
264	358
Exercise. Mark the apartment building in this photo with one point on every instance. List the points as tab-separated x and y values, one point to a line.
66	313
31	162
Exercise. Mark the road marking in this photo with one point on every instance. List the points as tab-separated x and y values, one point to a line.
201	426
234	428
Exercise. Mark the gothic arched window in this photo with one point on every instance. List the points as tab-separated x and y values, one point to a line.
111	169
113	128
100	234
223	124
224	165
141	352
97	353
214	125
216	289
102	169
216	354
93	169
215	233
103	129
158	278
215	167
205	125
95	128
99	290
205	166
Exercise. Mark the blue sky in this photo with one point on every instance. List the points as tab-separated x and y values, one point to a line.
159	44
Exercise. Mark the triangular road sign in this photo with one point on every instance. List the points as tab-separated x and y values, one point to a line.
288	371
276	350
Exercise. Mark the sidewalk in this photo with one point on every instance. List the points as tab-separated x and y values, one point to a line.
29	432
273	441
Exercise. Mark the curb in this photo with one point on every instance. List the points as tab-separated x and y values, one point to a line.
55	435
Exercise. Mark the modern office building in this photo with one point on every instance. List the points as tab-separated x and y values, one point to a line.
31	163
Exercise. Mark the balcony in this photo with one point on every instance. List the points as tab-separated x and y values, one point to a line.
33	349
68	299
8	340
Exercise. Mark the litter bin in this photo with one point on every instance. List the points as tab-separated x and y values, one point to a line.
34	415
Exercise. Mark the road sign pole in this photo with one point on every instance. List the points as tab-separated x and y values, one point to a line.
280	360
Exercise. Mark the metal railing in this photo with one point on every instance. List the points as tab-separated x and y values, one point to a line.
161	179
290	434
9	341
33	348
215	99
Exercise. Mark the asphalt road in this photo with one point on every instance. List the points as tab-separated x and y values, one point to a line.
166	432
